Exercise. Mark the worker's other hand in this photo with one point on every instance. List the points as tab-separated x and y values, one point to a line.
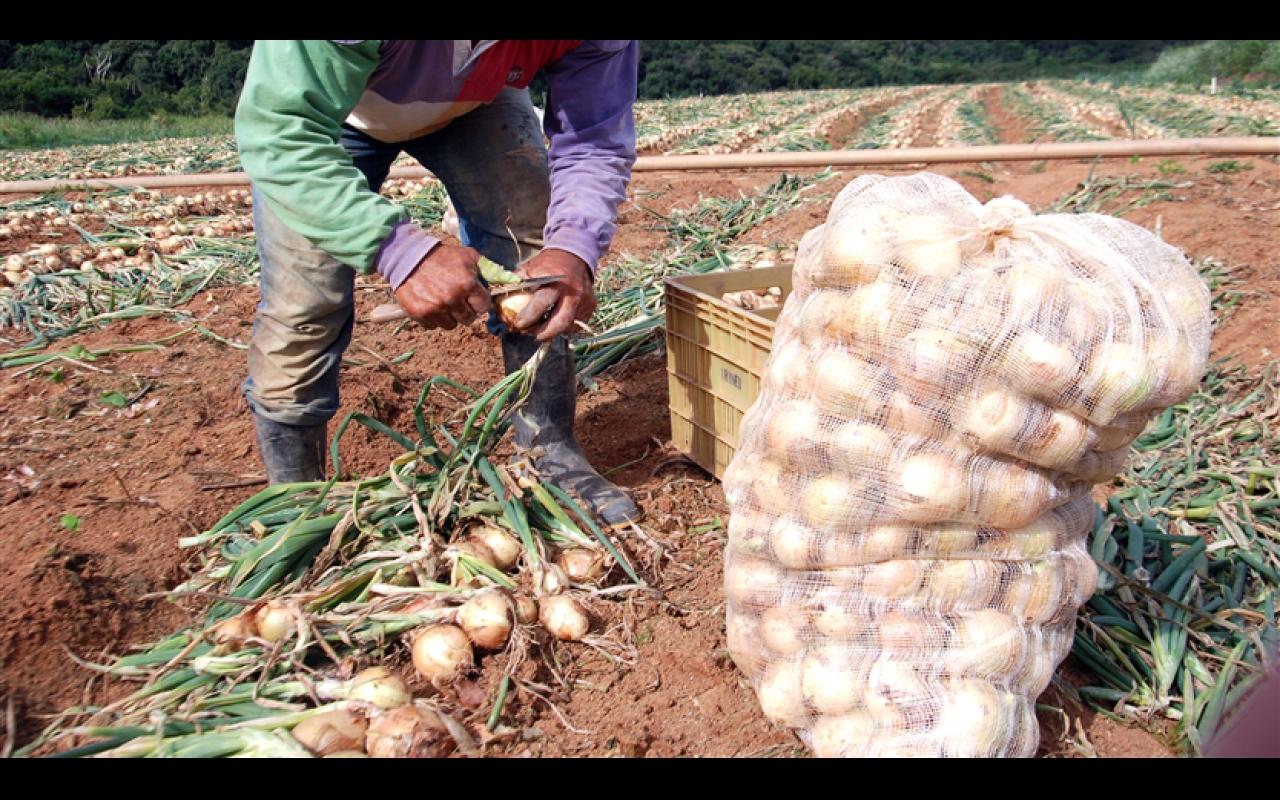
444	290
572	298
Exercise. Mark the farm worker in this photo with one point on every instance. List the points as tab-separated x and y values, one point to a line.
318	126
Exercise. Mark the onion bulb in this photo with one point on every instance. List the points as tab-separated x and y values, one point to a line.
232	631
347	754
927	246
793	427
932	488
274	621
780	694
1036	539
830	502
772	484
442	652
855	248
892	579
986	644
582	565
564	617
1061	439
1096	467
1035	592
410	731
526	609
843	736
1010	495
858	447
506	549
903	632
554	579
751	581
963	582
793	544
831	681
864	318
780	629
378	687
742	637
790	367
884	542
332	732
1039	367
510	305
893	687
950	540
932	362
845	385
1030	288
906	415
835	613
486	619
1120	378
996	417
974	719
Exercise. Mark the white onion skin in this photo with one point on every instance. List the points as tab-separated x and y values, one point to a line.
932	487
892	579
832	682
962	583
510	305
1036	595
564	617
893	687
844	385
582	565
793	428
1011	496
843	736
232	631
832	502
332	732
442	652
274	621
987	643
927	247
486	619
780	694
378	687
780	629
752	582
973	719
855	247
857	446
1039	367
865	318
407	731
526	609
1120	378
742	637
506	549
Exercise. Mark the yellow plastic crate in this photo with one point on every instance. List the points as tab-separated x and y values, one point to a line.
715	359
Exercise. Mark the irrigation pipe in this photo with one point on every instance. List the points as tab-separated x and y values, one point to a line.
1116	148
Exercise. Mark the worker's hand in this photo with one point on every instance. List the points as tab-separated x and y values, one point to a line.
444	290
573	298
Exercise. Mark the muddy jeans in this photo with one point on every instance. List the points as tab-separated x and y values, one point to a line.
493	163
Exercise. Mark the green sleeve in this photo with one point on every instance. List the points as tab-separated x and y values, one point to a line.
288	124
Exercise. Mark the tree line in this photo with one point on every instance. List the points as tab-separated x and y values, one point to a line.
118	78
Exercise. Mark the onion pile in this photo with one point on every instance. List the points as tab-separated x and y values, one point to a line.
910	495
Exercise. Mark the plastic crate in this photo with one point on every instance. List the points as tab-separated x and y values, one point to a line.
715	359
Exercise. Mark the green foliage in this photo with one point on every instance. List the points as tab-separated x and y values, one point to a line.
1224	58
192	77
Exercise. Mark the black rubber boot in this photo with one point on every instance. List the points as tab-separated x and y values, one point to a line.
545	425
291	453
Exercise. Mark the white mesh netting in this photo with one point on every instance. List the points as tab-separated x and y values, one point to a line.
910	497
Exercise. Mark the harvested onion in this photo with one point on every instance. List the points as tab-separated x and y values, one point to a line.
274	621
843	736
780	629
986	644
582	565
831	681
378	687
486	619
333	731
506	549
927	247
932	488
564	617
974	719
511	305
780	694
442	652
410	731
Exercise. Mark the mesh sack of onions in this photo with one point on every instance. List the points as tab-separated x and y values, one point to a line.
910	498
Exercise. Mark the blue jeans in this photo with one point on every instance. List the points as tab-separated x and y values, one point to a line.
493	163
